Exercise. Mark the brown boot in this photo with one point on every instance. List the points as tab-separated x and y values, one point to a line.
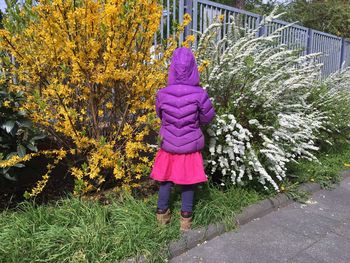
185	221
163	217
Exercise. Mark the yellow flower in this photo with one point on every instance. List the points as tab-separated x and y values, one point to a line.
109	105
80	77
77	173
186	19
7	103
189	39
203	65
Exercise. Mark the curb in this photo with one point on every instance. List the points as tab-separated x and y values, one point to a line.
195	237
260	209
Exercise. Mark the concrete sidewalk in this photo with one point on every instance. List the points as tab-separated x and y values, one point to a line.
316	232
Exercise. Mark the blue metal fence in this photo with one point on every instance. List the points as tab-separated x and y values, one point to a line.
330	46
335	50
346	53
295	36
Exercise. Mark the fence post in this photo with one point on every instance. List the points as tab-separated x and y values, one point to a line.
189	10
181	19
309	41
342	53
262	30
195	21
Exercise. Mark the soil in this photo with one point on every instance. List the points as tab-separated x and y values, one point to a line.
60	183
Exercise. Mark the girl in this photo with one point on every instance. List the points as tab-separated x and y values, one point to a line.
182	107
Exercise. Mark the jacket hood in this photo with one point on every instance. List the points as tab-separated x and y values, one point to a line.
183	68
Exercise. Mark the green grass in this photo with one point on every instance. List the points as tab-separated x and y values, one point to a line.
326	172
73	230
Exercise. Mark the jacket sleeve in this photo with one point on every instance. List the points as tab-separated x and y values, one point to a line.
158	110
206	110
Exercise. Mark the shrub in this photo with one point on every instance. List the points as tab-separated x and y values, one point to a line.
17	134
332	97
90	78
267	97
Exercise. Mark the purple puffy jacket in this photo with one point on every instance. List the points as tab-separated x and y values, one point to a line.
183	106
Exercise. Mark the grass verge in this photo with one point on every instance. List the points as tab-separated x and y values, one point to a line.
326	172
77	230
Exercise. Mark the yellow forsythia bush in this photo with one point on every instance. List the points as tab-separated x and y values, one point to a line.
87	71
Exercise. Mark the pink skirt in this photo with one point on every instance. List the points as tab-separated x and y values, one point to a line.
179	168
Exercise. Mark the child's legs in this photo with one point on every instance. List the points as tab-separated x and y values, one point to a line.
164	195
187	197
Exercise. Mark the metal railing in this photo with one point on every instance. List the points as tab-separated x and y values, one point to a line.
335	50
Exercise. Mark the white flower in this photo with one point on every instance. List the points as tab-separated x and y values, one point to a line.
285	123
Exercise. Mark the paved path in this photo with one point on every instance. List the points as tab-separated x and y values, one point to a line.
317	232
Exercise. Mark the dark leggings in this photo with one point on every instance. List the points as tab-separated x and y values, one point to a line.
187	196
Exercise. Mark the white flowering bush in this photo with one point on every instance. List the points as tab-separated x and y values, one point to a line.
332	97
271	105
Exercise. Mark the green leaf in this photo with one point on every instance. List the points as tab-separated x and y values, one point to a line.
249	61
8	126
37	137
4	170
9	177
84	166
21	113
32	147
21	150
26	195
102	140
24	123
10	155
